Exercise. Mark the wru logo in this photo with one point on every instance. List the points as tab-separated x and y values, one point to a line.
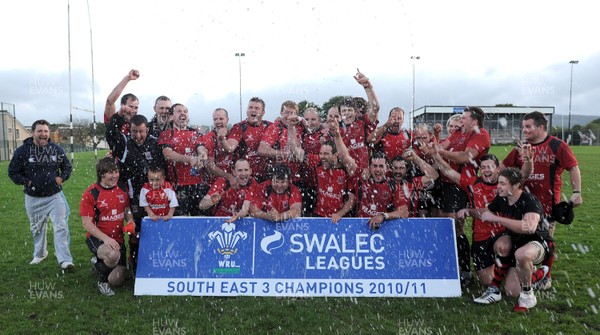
227	238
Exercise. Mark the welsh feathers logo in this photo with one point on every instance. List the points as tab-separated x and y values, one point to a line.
271	242
227	238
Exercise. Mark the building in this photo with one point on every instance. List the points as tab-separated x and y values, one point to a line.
12	132
503	123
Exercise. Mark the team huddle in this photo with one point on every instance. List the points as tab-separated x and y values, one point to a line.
344	166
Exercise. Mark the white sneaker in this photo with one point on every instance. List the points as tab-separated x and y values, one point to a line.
544	284
37	260
105	289
67	266
491	295
526	301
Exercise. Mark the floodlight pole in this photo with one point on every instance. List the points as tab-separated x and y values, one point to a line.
573	62
239	55
412	114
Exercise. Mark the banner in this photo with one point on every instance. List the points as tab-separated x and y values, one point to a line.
205	256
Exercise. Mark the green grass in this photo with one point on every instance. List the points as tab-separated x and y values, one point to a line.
70	303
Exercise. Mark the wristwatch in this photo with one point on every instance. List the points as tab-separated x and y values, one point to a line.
386	216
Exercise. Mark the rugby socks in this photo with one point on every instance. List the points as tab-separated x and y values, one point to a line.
501	267
102	270
549	261
464	256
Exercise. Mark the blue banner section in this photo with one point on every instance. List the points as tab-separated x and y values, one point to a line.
304	256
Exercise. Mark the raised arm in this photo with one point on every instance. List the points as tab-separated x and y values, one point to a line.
343	153
373	102
109	107
377	134
430	174
446	170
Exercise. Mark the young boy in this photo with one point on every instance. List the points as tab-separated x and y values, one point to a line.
157	196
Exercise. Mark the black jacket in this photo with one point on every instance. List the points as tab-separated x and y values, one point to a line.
37	168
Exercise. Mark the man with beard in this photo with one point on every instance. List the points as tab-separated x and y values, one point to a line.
232	200
183	149
42	167
244	138
551	157
408	187
377	197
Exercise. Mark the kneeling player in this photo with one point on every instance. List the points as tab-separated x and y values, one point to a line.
103	207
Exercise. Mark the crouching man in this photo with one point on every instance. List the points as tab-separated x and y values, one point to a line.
104	207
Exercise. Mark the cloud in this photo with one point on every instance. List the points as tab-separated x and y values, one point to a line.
39	94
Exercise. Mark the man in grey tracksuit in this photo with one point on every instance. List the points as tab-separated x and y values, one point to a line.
41	167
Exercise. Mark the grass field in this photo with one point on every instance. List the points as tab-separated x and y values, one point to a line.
42	300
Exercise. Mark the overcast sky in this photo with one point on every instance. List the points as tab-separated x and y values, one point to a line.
471	53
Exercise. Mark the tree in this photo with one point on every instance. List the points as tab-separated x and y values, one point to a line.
83	132
333	102
100	132
303	105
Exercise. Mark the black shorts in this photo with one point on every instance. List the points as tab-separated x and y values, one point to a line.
426	200
189	197
483	252
94	243
452	198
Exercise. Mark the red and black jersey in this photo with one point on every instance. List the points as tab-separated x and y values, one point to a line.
477	139
375	198
311	141
551	157
457	142
355	138
231	199
266	199
480	195
276	135
160	201
124	128
106	207
248	138
393	144
333	187
223	160
184	142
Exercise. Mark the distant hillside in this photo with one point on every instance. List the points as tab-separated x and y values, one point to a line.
581	120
